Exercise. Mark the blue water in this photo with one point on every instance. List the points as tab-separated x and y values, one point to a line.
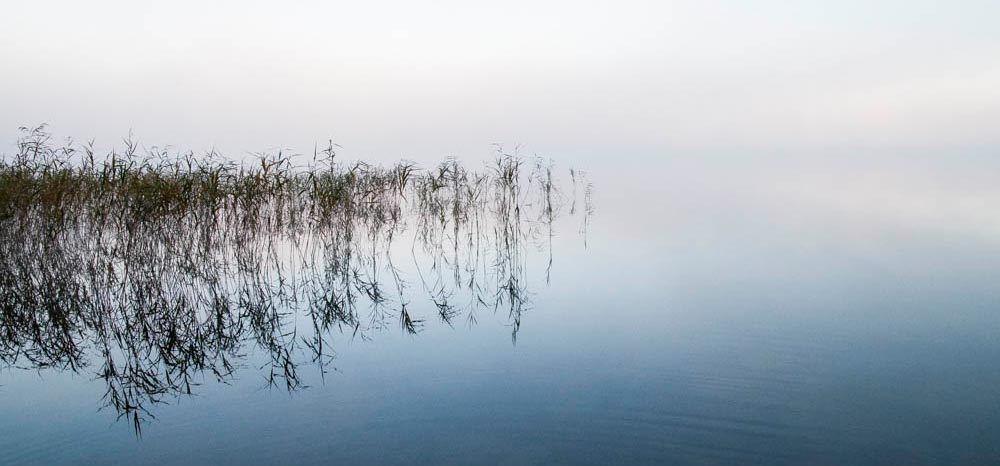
829	314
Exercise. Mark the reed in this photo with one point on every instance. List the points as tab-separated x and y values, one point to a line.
161	270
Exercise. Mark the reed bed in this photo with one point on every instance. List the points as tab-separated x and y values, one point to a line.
156	272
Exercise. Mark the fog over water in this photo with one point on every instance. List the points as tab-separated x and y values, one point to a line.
579	80
779	242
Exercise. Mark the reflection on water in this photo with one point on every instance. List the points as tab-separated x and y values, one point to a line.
151	273
758	311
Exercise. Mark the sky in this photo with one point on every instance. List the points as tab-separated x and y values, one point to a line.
579	80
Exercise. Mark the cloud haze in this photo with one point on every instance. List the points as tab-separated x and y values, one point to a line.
392	79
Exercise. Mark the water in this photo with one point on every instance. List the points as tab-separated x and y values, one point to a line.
711	312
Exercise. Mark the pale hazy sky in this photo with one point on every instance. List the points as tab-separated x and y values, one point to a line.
391	79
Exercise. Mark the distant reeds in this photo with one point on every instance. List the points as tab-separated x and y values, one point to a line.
159	269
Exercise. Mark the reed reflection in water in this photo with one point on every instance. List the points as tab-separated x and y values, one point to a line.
153	272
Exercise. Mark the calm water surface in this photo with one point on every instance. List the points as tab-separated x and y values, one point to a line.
836	313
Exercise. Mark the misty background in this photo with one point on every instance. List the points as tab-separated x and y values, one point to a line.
392	79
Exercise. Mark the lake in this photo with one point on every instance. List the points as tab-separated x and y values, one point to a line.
741	310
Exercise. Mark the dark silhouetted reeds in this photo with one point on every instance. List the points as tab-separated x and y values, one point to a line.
160	272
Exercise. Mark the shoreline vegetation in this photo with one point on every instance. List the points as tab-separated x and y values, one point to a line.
155	272
59	179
